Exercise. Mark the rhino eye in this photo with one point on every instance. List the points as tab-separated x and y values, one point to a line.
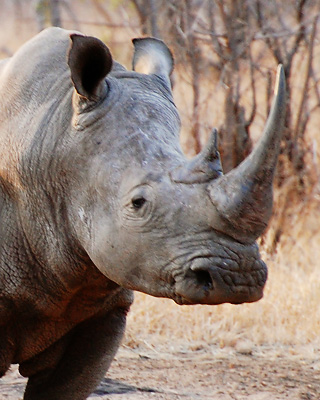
138	202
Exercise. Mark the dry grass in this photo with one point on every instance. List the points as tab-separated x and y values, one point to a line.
287	315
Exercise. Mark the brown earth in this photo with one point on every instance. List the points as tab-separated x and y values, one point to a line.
223	374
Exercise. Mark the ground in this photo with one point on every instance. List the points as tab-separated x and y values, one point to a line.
246	373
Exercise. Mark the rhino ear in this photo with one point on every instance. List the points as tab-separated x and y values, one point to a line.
152	56
89	61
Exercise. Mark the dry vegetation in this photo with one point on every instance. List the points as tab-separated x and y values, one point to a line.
288	316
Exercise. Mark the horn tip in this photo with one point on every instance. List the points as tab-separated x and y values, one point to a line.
280	79
214	135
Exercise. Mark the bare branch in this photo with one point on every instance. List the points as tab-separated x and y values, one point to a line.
153	19
270	40
55	13
102	11
65	4
253	91
194	56
315	85
301	33
306	81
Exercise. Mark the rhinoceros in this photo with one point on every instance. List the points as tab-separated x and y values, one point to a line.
98	200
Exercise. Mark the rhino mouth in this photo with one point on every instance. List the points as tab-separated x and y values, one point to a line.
212	281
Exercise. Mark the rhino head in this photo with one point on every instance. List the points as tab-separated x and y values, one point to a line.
150	219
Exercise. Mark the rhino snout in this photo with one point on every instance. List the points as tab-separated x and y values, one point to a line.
212	281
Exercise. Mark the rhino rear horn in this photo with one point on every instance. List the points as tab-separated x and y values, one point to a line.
89	61
205	167
152	56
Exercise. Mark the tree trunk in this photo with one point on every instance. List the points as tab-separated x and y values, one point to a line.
55	13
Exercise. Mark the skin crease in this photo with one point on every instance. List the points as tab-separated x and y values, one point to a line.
91	209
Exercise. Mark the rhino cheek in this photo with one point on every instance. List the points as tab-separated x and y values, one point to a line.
122	261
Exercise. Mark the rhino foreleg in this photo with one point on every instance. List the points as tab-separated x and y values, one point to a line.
84	362
6	351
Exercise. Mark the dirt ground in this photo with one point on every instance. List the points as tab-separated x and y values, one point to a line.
223	374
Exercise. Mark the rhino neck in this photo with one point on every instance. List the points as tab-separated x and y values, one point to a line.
31	242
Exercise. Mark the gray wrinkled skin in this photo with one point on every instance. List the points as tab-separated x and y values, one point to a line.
97	199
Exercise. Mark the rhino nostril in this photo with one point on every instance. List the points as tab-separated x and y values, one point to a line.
204	278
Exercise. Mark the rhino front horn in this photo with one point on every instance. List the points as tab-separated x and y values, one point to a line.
243	197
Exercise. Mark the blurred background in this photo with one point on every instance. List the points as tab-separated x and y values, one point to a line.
226	54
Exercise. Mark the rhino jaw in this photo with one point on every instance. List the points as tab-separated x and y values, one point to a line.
210	280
